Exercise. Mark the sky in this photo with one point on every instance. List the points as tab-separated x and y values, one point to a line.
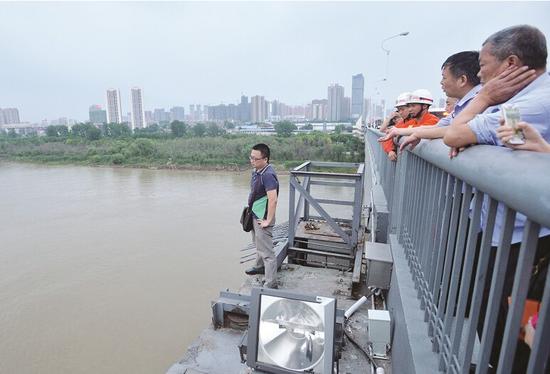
58	58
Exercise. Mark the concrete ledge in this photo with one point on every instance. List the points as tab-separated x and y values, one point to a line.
411	345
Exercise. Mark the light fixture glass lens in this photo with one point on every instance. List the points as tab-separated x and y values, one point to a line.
291	333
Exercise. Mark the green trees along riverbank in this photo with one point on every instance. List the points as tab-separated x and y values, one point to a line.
178	147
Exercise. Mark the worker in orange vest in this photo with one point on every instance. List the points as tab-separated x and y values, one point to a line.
418	104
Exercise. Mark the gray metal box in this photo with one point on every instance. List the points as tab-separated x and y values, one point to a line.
379	265
379	327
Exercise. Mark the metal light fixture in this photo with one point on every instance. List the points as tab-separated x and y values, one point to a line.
291	333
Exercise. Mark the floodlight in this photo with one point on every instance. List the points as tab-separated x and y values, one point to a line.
291	333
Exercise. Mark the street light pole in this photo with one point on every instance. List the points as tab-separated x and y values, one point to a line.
388	58
388	51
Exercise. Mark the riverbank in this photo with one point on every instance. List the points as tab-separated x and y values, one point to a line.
226	152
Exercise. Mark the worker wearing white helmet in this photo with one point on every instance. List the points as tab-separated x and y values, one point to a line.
401	112
419	103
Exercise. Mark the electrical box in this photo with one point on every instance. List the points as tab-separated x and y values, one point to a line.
379	265
379	327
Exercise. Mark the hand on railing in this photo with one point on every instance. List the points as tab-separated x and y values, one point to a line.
390	134
533	140
454	151
411	140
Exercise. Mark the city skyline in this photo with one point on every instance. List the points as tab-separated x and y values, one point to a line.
114	106
224	49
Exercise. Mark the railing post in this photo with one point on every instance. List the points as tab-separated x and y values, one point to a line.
291	213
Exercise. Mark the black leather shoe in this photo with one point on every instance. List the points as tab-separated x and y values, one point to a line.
254	270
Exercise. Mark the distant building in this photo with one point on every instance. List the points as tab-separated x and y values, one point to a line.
149	118
97	114
257	109
346	108
138	115
177	113
9	116
357	95
335	99
275	110
244	109
114	109
161	115
319	109
196	112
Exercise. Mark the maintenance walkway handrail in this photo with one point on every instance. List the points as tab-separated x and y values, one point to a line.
442	215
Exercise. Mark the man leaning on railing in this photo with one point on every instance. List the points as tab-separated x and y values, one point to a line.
512	71
459	79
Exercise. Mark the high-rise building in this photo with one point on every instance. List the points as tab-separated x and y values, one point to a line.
138	116
319	110
335	100
177	113
275	109
257	109
9	116
97	114
244	109
357	95
114	108
346	109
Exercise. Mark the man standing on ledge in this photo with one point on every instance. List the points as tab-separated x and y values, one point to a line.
264	189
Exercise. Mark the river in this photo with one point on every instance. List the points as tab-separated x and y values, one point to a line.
112	270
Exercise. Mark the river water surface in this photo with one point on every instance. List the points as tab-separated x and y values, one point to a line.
112	270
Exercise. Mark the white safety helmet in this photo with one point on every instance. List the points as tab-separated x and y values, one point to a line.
402	99
421	96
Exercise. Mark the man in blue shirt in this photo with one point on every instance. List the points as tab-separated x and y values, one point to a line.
503	58
262	200
459	80
512	71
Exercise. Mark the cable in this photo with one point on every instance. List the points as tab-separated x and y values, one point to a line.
369	357
354	342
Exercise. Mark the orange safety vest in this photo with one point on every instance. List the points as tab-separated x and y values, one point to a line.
427	119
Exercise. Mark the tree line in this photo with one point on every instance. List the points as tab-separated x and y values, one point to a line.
176	129
175	145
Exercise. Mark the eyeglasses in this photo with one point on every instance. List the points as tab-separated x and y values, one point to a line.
252	158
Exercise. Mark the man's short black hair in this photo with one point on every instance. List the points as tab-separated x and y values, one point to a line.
264	150
526	42
464	63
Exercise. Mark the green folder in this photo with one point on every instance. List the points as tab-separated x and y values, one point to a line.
260	207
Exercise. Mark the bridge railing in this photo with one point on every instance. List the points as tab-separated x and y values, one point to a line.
442	216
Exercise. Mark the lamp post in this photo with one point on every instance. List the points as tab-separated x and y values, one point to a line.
388	58
388	51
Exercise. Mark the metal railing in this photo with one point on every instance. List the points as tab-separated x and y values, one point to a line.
301	199
442	216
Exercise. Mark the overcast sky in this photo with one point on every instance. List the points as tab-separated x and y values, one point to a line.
57	59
